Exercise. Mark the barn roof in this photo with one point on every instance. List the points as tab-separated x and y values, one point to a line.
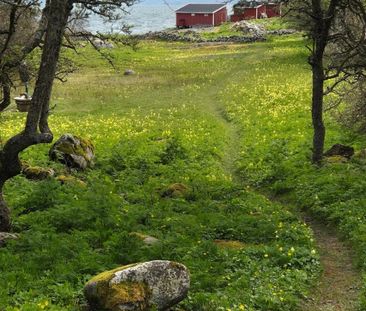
201	8
249	4
254	3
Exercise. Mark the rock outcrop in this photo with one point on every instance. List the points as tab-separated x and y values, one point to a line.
196	38
249	28
153	285
73	151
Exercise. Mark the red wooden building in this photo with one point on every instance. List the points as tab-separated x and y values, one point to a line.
201	15
273	10
254	10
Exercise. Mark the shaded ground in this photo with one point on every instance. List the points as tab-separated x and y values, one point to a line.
339	284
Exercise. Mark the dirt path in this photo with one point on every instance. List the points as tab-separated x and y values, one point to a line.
338	287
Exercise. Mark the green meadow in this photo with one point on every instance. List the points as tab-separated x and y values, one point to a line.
228	124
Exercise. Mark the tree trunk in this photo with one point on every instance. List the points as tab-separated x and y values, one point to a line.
317	111
59	12
322	22
5	102
36	129
5	225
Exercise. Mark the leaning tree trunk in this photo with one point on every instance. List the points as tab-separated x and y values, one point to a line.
36	129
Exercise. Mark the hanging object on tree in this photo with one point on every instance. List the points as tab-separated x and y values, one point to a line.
24	100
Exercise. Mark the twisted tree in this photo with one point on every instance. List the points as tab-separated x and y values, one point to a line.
47	35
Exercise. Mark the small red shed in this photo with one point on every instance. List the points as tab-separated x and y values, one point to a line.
201	15
273	10
255	9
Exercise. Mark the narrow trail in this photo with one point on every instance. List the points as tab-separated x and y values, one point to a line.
231	153
339	285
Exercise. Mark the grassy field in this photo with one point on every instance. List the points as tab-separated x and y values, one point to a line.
223	120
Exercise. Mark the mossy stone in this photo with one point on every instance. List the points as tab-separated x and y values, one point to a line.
145	286
37	173
73	151
68	179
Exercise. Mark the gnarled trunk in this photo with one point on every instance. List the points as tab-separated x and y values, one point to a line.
36	129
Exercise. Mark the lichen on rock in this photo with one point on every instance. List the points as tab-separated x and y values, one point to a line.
68	179
73	151
156	284
37	173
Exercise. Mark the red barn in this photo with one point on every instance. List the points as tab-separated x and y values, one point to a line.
273	10
254	10
201	15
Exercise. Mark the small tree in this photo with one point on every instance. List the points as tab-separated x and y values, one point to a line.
48	36
336	29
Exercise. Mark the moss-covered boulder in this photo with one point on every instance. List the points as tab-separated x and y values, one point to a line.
68	179
153	285
73	151
37	173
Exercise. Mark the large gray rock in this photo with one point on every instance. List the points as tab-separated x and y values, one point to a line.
73	151
155	284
